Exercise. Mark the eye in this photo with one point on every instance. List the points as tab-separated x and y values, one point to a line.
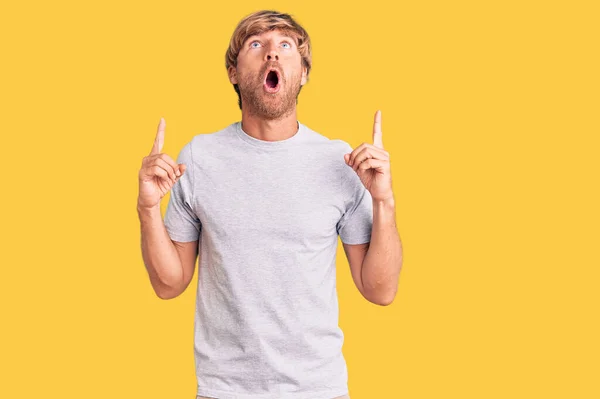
252	44
288	45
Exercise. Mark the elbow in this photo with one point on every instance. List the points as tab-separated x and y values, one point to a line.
381	297
386	296
167	292
387	302
166	295
384	301
382	291
165	289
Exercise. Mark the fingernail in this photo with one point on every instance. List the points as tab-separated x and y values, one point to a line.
177	172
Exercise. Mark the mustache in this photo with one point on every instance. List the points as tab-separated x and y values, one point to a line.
272	65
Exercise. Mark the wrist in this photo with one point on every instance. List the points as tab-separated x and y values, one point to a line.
388	202
147	209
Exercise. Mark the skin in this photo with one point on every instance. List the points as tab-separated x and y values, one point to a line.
269	116
375	266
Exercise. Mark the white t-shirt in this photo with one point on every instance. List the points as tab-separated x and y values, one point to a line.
268	214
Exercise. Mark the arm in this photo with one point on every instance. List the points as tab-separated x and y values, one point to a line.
170	264
376	265
376	276
380	268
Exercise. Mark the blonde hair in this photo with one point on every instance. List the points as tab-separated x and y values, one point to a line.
264	21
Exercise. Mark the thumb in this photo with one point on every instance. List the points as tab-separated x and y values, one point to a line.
160	138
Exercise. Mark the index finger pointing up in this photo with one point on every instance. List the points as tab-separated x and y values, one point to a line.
377	135
160	138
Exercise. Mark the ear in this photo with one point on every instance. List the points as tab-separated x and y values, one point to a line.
304	77
232	73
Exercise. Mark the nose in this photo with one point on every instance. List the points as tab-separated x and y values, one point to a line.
272	54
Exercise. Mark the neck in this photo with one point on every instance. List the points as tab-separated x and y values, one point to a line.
269	129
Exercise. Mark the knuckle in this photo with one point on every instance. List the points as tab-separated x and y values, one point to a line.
167	159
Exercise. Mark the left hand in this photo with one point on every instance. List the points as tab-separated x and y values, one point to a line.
372	164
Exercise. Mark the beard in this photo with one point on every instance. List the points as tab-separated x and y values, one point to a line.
269	105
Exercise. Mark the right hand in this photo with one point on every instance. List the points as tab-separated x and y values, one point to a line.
158	173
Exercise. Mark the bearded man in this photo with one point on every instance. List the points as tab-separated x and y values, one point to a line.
260	204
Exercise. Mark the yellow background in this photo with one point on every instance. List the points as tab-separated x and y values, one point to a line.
491	115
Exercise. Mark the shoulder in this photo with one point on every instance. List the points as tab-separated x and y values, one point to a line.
332	145
330	152
205	141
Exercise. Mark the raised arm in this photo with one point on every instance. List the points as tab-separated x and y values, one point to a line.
170	264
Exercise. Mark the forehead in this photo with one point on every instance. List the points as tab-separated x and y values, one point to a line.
276	33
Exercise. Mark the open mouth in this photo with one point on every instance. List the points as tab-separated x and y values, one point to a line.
272	79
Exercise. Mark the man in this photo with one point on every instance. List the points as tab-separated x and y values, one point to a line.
261	203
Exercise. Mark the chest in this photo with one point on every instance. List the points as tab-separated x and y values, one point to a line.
294	202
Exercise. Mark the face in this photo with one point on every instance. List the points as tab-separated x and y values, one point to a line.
269	74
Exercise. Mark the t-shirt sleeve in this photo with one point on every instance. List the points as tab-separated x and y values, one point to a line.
355	225
181	222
